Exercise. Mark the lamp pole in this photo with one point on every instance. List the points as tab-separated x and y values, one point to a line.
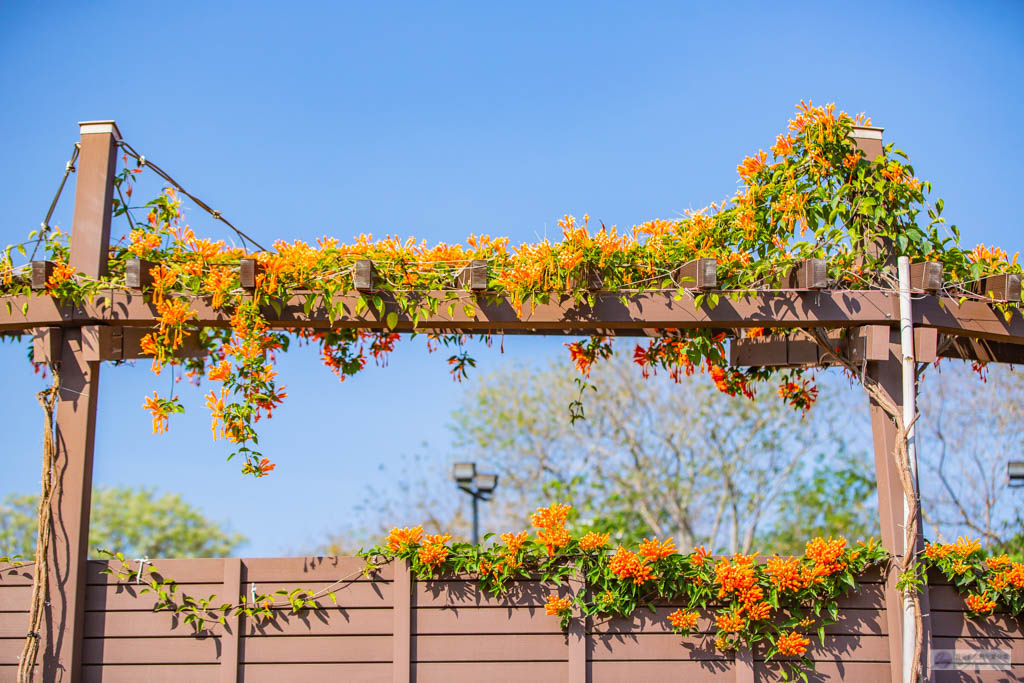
478	486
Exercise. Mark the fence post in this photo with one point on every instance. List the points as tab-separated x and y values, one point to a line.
401	595
76	414
232	635
577	638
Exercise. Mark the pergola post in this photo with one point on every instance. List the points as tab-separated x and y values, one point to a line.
76	414
888	375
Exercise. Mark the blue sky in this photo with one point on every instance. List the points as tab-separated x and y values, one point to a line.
302	120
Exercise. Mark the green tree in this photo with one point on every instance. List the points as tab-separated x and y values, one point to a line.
970	426
836	498
652	457
137	522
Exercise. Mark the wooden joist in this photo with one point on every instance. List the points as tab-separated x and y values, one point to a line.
926	276
41	272
809	273
1004	287
248	269
474	276
364	276
699	273
137	274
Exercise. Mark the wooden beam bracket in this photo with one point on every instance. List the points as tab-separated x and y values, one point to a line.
46	343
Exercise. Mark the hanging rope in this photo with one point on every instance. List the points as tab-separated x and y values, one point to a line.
44	227
40	580
143	161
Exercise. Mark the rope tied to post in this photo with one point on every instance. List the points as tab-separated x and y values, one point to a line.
50	487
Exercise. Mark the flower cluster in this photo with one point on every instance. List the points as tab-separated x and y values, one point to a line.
990	582
550	525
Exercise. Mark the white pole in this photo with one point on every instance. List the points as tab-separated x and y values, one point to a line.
909	411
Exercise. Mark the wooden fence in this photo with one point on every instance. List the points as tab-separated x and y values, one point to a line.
393	628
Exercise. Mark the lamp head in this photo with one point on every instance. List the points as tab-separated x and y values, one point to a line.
463	472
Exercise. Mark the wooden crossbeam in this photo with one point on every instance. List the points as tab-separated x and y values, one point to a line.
653	310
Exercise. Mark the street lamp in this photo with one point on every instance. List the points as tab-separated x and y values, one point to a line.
479	486
1015	471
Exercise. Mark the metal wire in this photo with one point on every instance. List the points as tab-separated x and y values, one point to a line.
44	228
143	161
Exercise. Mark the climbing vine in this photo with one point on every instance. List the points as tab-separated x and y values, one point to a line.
815	196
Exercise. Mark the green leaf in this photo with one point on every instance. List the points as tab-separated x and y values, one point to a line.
392	320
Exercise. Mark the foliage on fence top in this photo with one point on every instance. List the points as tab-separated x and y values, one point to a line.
776	602
817	197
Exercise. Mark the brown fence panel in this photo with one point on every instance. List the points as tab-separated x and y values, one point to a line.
390	628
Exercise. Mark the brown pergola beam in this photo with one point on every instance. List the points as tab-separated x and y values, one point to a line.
654	310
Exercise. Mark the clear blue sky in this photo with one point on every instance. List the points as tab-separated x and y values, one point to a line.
300	120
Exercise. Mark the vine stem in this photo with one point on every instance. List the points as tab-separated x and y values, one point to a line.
40	580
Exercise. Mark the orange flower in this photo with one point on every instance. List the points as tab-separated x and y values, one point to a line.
594	541
783	146
792	644
998	564
735	575
216	406
850	160
965	547
752	165
513	542
826	554
730	623
407	536
220	372
785	573
653	550
683	621
758	610
550	523
980	603
142	242
158	408
62	273
260	469
434	552
1015	575
628	565
556	606
698	556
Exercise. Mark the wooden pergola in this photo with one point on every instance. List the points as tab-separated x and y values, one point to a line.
107	328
